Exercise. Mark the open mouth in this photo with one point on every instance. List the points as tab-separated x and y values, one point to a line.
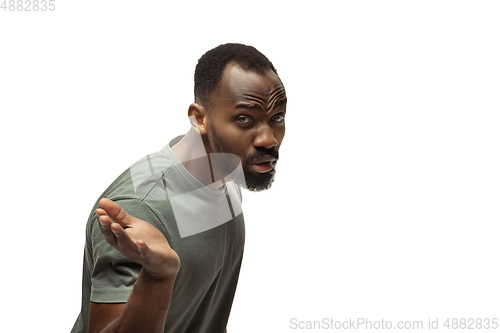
263	167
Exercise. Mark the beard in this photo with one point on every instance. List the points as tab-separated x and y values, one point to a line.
253	181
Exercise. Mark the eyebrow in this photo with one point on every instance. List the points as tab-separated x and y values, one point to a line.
280	102
244	105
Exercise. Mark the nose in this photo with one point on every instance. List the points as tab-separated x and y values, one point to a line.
265	138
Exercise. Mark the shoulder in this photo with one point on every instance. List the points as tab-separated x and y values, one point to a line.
138	185
140	179
147	176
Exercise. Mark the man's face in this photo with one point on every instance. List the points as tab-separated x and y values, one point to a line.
247	119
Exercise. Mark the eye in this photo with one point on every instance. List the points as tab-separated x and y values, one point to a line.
243	120
280	117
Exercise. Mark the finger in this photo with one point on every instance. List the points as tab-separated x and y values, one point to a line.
103	218
115	212
105	226
99	212
143	248
146	253
125	244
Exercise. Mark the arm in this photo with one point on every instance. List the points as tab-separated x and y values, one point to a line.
147	306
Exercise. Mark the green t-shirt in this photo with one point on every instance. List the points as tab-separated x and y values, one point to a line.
203	225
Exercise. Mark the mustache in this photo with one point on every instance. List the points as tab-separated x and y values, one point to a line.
261	152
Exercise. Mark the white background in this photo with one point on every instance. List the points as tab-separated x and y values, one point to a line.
386	202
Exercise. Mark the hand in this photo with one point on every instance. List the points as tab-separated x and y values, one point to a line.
137	240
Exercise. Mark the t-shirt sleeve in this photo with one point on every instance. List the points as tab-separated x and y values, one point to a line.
113	275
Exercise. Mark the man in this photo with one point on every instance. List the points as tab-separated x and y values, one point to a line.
164	242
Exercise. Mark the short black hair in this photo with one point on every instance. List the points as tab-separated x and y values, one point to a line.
208	72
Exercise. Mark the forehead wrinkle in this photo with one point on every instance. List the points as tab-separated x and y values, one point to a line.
267	103
278	94
255	100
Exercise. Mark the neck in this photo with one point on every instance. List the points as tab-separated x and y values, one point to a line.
192	153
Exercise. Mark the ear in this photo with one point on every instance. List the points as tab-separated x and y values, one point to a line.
198	117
